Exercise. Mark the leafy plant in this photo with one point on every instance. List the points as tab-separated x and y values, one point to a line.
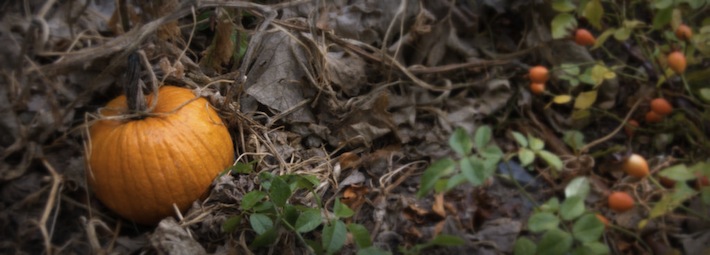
565	228
269	211
474	167
531	148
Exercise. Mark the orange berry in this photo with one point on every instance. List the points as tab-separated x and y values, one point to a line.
677	62
603	219
635	165
631	127
584	37
620	201
683	32
661	106
537	88
539	74
653	117
702	181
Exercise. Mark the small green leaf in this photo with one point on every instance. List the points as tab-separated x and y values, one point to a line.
452	182
279	192
373	250
472	169
433	173
600	73
260	222
588	229
360	234
447	240
562	99
593	248
572	208
231	224
542	221
334	236
492	152
561	25
520	138
585	99
536	144
460	142
242	168
662	18
526	156
594	11
551	205
265	239
251	199
342	210
678	172
552	160
622	34
577	187
661	4
705	94
601	39
563	5
482	136
309	220
574	139
266	206
524	246
555	242
670	202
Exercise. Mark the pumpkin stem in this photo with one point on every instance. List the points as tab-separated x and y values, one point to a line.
134	91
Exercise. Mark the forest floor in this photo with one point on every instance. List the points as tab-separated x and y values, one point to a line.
398	127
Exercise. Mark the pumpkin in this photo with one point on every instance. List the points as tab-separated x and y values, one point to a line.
141	167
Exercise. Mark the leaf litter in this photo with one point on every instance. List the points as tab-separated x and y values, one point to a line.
363	95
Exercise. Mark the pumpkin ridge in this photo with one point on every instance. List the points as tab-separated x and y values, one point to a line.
126	185
142	160
204	165
187	165
177	192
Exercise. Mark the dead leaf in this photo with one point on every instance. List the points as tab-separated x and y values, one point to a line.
347	71
275	78
438	206
171	238
349	160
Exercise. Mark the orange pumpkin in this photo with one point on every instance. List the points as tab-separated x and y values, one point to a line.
141	167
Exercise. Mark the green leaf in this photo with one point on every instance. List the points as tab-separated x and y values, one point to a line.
570	69
264	206
231	224
552	160
279	192
360	234
536	144
562	99
622	34
342	210
662	18
433	173
574	139
588	229
661	4
670	202
309	220
452	183
585	99
524	246
555	242
460	142
526	156
679	173
291	213
373	250
705	94
334	236
563	5
594	11
542	221
447	240
482	136
492	152
251	199
242	168
601	39
308	182
260	222
577	187
472	169
572	208
600	73
561	25
265	239
593	248
520	138
552	205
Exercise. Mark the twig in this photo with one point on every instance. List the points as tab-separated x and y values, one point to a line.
56	183
584	149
